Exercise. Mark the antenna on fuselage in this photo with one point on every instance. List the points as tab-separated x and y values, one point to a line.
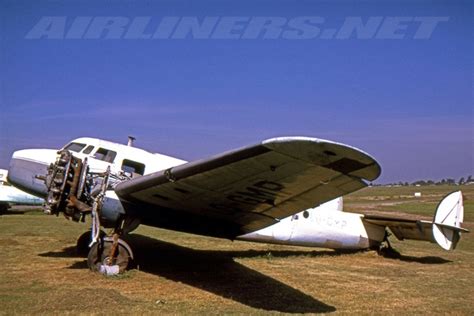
131	139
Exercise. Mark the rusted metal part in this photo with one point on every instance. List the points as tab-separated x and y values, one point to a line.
77	168
79	205
113	249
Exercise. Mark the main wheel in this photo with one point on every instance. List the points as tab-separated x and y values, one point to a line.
83	242
98	259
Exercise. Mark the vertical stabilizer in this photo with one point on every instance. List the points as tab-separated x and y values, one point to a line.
447	221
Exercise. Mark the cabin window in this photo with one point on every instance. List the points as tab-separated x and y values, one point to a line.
305	214
105	155
132	167
76	147
88	149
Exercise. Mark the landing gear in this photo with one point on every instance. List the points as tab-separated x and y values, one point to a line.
77	192
110	256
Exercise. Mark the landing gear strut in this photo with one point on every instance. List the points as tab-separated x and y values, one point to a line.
109	255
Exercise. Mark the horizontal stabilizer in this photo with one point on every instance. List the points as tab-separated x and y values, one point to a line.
403	228
458	229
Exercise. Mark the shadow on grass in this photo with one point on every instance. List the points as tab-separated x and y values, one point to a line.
217	272
11	212
19	210
79	265
423	260
67	252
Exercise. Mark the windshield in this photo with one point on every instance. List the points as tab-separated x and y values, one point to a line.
76	147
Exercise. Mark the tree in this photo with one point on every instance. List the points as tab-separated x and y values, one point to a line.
450	181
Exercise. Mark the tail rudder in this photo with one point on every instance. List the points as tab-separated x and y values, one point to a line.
448	220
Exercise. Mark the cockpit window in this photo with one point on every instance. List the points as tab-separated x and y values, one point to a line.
76	147
88	149
132	167
105	155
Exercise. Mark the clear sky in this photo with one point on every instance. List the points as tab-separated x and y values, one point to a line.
407	101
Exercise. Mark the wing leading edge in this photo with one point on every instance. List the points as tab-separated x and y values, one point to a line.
253	187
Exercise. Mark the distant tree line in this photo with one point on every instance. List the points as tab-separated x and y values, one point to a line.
447	181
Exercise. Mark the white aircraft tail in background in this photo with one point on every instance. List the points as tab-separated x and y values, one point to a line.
9	195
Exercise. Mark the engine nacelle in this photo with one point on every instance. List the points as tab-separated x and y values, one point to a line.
112	210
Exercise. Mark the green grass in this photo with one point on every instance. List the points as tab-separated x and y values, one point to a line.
186	274
402	199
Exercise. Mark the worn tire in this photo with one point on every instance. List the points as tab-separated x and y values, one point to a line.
99	252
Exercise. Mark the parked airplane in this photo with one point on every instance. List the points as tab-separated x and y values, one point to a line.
265	192
9	195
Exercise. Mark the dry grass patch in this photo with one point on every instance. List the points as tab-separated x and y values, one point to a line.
185	274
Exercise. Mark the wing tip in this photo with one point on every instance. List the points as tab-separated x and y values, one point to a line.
284	145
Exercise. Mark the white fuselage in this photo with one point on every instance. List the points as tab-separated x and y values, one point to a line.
325	226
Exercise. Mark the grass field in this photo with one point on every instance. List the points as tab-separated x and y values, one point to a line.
183	274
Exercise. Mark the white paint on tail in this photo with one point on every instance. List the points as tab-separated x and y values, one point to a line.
447	221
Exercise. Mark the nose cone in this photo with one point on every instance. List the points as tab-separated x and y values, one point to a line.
26	164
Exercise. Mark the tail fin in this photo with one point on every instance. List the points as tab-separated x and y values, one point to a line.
447	221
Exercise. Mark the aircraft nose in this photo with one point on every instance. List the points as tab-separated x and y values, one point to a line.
26	165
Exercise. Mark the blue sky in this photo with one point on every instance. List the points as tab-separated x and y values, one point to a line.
408	102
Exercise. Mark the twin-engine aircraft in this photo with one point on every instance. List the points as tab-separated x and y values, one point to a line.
265	193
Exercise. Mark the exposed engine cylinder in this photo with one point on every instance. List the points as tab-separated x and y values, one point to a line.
69	187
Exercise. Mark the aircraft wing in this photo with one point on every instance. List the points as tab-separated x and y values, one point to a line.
253	187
